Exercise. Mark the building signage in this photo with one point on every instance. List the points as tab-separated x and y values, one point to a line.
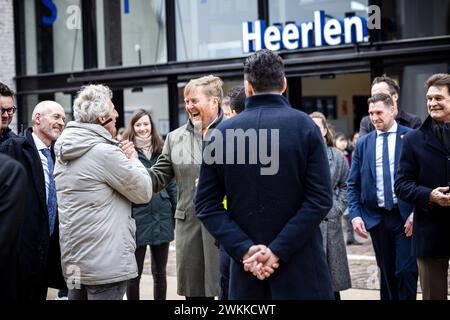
256	36
50	5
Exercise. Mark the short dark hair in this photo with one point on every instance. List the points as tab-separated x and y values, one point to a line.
381	97
237	98
392	84
438	80
264	70
5	91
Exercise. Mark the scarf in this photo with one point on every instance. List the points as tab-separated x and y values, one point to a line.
442	132
144	145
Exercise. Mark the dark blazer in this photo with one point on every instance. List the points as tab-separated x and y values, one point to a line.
403	118
12	198
362	183
37	264
282	211
424	166
155	222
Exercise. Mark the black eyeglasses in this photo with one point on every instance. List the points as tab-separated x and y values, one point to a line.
9	111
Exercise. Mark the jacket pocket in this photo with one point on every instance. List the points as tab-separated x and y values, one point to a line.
180	214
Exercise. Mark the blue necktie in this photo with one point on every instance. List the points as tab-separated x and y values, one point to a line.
387	184
52	201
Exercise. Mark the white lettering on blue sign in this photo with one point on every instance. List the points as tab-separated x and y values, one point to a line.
256	36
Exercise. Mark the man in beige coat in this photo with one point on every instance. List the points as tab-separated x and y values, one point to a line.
96	184
197	255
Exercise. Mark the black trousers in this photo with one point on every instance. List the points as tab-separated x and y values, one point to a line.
398	268
159	256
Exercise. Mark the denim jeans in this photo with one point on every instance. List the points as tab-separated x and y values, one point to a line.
110	291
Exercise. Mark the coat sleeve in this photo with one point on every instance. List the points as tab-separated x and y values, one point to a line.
406	186
340	204
162	171
172	192
12	200
317	202
129	177
354	184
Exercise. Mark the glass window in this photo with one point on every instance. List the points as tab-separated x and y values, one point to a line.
212	29
66	101
131	33
411	79
53	36
403	19
301	11
153	99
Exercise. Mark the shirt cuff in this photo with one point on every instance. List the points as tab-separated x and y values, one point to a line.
357	218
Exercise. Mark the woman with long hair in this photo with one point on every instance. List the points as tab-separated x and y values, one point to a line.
331	226
155	221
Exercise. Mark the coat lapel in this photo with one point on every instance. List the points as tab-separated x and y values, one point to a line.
34	160
398	146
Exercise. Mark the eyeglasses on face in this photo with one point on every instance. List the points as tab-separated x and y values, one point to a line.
9	111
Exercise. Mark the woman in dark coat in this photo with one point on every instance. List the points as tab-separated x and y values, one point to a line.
331	226
155	221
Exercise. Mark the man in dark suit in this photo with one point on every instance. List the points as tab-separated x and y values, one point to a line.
7	110
275	205
12	197
424	180
39	263
373	205
388	86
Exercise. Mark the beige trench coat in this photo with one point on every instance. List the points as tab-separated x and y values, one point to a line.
197	255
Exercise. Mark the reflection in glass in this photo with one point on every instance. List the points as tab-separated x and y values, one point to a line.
212	29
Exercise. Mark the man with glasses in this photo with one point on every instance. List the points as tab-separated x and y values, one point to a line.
7	110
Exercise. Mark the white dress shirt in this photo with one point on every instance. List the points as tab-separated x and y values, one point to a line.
379	162
40	145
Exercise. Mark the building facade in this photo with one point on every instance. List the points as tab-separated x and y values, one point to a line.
146	51
7	47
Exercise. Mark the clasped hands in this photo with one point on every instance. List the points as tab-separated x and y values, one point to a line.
260	261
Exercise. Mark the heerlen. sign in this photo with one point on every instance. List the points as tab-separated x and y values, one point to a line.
292	36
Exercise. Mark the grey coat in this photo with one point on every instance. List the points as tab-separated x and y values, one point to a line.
197	255
331	226
96	185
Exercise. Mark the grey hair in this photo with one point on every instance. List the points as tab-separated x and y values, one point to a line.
91	103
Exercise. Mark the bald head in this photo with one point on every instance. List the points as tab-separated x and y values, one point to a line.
48	121
44	108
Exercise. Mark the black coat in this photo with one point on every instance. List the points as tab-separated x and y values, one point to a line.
12	197
155	222
6	134
281	209
37	262
424	166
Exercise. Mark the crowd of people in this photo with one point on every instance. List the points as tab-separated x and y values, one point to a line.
79	205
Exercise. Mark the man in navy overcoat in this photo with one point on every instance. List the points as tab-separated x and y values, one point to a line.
277	186
424	179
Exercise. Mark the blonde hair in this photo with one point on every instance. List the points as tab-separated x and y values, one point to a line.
329	134
211	86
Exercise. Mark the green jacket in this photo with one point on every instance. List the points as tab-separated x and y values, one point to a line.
155	222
